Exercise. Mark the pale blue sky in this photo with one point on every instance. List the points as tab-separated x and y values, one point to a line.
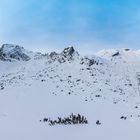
89	25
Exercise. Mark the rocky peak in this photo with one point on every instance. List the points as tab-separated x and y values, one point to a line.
69	51
67	54
9	52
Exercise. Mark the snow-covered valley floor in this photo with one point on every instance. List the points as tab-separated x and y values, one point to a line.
21	110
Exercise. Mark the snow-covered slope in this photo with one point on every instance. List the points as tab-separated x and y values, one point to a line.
103	87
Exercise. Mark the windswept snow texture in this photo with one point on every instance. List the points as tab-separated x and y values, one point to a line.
104	87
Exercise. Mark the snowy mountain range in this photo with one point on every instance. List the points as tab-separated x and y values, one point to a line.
104	87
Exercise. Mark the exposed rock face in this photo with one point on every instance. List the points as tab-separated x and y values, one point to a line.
90	61
116	54
9	52
53	55
67	54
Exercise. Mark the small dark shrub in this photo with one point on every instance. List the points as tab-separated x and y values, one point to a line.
72	119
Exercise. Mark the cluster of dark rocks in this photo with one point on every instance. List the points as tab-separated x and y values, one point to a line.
72	119
123	117
1	86
89	61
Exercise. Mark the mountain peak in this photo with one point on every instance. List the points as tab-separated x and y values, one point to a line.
67	54
8	47
9	52
68	51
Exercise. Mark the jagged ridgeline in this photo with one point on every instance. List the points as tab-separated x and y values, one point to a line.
11	53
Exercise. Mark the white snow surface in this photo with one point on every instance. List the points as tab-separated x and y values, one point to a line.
46	87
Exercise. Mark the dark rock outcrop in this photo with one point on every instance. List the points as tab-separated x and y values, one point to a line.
67	54
116	54
9	52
